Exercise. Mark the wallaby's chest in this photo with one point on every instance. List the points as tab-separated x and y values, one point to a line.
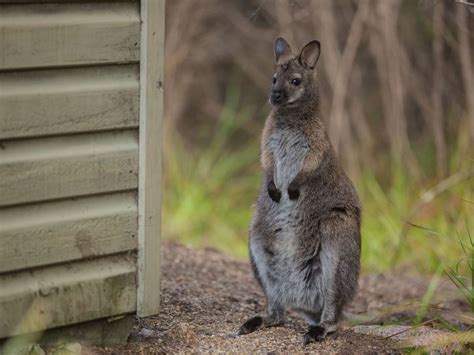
289	148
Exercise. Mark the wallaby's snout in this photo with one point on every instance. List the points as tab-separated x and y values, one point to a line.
275	97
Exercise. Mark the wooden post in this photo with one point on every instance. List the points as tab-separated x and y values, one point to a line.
149	197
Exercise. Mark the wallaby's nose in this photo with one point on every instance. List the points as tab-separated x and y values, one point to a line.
276	95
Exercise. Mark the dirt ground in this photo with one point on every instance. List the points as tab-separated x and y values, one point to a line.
206	296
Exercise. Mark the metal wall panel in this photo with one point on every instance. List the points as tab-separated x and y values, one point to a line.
65	34
58	167
48	233
60	101
43	298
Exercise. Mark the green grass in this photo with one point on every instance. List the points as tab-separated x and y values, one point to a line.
462	274
413	223
208	199
209	193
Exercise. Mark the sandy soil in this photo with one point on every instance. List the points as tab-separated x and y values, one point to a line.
206	296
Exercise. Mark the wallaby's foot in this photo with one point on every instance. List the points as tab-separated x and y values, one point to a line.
273	192
315	334
257	322
251	325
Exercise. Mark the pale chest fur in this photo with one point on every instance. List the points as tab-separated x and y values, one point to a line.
289	148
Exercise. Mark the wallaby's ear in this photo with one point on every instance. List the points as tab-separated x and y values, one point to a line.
282	50
310	54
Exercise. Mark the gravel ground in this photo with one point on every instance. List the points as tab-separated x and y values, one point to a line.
206	296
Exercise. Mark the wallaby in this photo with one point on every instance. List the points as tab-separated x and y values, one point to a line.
304	239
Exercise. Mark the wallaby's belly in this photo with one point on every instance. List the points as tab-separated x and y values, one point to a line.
275	245
280	264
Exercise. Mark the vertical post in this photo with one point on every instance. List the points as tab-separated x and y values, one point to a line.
149	197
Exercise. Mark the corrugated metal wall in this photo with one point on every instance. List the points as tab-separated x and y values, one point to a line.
69	100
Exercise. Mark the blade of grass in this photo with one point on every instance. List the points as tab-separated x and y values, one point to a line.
411	328
428	296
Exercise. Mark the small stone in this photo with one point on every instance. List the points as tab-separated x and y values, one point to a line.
146	333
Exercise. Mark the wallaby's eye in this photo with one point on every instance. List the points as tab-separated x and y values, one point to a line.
296	81
274	80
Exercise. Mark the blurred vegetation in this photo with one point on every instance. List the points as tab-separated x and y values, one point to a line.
209	194
397	96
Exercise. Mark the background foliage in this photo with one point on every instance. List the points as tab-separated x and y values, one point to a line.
397	96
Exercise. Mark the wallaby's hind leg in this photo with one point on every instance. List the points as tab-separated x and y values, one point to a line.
340	269
275	316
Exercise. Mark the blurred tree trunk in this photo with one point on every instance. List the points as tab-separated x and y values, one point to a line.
388	53
436	94
339	66
466	63
339	127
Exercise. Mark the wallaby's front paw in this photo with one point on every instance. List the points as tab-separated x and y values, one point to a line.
293	191
315	334
293	194
251	325
273	192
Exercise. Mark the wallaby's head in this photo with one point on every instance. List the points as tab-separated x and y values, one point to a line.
294	81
